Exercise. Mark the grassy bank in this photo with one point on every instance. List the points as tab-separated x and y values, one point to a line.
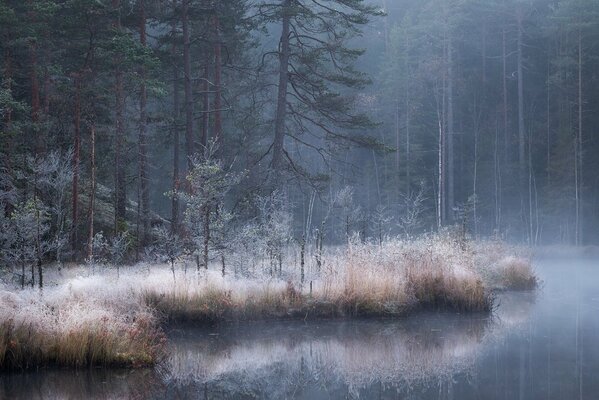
109	319
77	324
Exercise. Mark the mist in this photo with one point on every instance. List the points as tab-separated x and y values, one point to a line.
384	192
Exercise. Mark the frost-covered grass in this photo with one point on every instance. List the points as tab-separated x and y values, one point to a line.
107	318
79	323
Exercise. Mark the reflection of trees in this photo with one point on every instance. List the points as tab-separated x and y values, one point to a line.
286	359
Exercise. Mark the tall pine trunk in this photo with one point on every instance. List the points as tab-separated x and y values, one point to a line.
205	108
189	142
144	200
218	123
35	87
92	196
7	140
119	173
175	128
281	113
76	154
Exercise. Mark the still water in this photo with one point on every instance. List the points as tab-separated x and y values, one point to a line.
541	345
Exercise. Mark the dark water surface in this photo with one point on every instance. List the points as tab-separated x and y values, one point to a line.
542	345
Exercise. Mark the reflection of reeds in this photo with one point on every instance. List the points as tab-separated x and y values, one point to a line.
417	350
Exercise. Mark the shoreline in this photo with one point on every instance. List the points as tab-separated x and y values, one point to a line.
120	321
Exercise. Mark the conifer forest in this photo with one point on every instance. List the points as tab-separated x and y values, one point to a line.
276	162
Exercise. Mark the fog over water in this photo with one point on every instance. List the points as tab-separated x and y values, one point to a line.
536	345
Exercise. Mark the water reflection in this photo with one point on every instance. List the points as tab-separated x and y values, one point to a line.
532	347
92	384
339	359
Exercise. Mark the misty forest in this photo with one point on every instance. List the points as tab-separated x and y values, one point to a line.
299	199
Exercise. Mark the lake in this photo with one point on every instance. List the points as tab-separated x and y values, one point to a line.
535	345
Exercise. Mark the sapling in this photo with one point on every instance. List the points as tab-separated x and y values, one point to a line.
111	251
413	208
381	220
117	249
209	181
351	213
275	227
169	246
54	176
25	238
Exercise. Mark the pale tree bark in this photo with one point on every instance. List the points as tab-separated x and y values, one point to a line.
450	134
441	159
408	118
504	110
579	153
475	172
521	128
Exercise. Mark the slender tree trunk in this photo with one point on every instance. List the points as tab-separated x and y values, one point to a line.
35	87
205	108
408	113
119	178
189	142
475	173
76	153
281	113
579	152
408	149
302	262
217	82
386	26
175	128
7	140
548	123
483	55
397	147
497	179
143	121
521	128
92	196
441	165
506	136
450	134
206	235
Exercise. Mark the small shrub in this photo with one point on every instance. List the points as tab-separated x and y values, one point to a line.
517	274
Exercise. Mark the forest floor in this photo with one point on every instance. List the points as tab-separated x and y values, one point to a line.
99	315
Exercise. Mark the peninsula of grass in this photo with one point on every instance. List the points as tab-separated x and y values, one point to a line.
116	319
